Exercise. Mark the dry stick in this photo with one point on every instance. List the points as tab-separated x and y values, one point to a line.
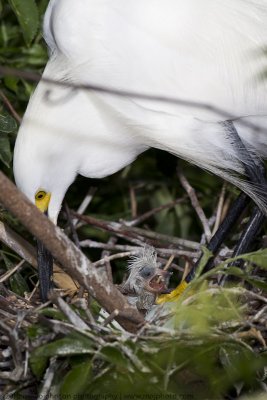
195	203
48	379
26	251
103	261
133	202
219	210
72	316
10	107
135	233
133	249
150	213
105	254
12	334
71	258
8	274
85	203
72	226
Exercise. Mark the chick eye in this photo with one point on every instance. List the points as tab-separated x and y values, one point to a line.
40	195
146	272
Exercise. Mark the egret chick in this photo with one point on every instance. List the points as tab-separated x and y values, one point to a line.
146	280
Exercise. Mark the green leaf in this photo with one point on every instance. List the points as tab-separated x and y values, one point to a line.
204	259
68	346
259	258
116	357
76	381
7	123
5	151
11	83
27	15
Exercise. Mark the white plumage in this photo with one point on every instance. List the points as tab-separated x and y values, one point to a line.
209	51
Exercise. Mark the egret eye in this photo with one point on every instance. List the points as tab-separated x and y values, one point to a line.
40	195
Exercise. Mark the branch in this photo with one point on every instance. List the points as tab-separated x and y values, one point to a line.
195	203
136	233
70	257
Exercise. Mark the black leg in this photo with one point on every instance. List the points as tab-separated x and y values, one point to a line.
45	270
243	246
255	171
222	232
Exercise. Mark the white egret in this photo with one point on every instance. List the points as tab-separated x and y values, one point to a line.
208	51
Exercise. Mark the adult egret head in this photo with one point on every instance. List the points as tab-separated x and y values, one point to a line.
200	51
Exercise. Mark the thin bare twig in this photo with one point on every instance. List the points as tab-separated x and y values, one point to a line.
219	211
72	316
72	226
195	203
111	317
151	213
8	274
10	107
85	203
105	254
48	379
116	256
133	202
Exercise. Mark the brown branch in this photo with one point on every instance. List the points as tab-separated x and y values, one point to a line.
71	258
136	233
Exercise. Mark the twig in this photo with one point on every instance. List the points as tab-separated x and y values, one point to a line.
12	334
195	203
168	264
136	233
134	249
219	211
133	202
111	317
105	254
68	312
72	226
82	303
117	256
85	203
10	107
8	274
151	213
48	379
